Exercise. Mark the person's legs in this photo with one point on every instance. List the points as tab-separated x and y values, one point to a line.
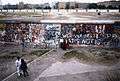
25	73
18	71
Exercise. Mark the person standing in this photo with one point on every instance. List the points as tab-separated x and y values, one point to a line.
61	43
18	64
23	43
24	67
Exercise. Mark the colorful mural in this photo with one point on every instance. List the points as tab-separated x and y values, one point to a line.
90	34
51	35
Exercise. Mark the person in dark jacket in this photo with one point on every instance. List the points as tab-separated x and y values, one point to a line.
24	67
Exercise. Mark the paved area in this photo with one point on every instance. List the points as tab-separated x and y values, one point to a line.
38	66
50	67
71	67
87	76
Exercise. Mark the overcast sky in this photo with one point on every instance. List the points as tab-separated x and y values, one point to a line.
45	1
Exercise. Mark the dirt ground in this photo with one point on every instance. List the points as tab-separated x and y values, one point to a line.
95	55
8	54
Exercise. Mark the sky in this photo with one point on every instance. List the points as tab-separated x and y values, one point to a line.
45	1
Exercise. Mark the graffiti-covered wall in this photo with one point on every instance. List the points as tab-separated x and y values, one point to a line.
45	34
90	34
50	35
35	34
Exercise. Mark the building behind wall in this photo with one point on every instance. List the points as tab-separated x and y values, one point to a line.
21	5
82	5
72	5
1	7
110	3
61	5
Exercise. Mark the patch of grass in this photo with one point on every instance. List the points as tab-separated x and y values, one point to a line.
97	56
2	16
76	54
26	13
14	52
39	52
8	57
11	55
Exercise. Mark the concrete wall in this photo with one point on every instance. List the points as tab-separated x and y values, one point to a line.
49	35
56	10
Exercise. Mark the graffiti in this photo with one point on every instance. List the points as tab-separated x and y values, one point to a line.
90	34
51	34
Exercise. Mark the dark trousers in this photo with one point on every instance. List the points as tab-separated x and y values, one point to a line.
25	73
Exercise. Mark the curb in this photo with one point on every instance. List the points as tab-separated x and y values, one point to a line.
28	64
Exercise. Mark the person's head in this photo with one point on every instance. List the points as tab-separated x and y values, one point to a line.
22	61
18	58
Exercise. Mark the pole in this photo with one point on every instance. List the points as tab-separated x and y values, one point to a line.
119	8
